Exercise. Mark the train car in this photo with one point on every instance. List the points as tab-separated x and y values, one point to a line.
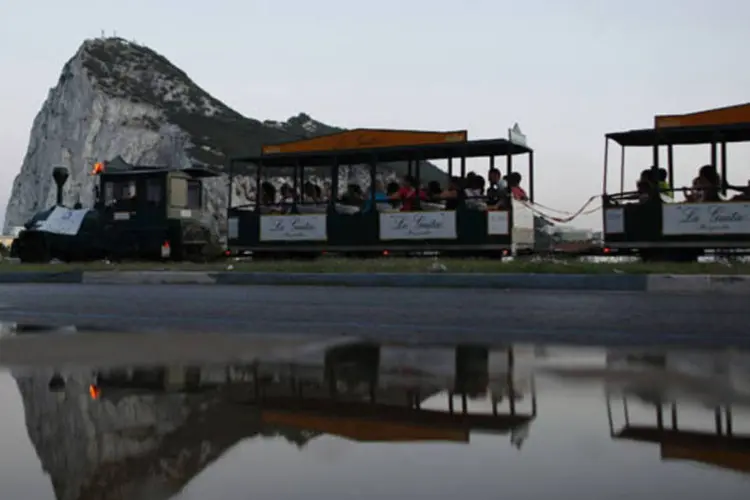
303	225
714	214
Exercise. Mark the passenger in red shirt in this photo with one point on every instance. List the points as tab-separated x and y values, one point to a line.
408	193
514	183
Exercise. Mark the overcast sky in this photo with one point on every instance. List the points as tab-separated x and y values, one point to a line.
566	71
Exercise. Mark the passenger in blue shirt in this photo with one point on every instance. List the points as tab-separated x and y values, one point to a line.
380	196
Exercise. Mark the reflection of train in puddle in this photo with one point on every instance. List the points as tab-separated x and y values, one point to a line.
363	392
146	432
716	384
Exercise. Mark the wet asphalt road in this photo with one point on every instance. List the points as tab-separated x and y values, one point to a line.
429	315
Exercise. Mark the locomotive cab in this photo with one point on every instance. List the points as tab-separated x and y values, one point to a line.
155	212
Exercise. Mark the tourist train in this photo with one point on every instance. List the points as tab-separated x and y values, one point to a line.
158	213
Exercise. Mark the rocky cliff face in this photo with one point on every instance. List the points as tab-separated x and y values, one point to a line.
115	97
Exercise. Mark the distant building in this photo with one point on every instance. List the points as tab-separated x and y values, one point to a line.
566	235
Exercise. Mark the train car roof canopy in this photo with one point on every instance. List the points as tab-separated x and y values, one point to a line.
677	136
384	154
729	452
365	138
727	124
728	115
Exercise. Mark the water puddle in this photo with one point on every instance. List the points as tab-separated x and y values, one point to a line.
362	420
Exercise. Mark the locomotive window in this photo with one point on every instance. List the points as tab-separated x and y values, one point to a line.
185	193
118	190
153	191
109	192
178	193
194	194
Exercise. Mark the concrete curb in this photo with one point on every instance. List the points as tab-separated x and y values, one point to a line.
448	280
147	278
589	282
42	277
733	285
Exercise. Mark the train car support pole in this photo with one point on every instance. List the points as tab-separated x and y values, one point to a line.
670	167
296	185
723	159
622	169
509	163
258	193
606	156
418	175
531	176
334	185
230	168
728	420
713	153
373	178
511	211
655	174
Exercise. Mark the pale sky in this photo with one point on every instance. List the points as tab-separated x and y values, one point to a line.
566	71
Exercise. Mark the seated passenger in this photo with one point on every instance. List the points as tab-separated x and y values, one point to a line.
311	201
390	190
695	194
268	198
309	194
664	187
434	191
407	194
380	196
497	193
474	192
646	186
474	186
267	193
469	181
452	195
514	183
480	185
353	196
287	194
711	183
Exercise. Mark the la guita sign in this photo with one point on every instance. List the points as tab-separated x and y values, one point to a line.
706	218
417	225
293	228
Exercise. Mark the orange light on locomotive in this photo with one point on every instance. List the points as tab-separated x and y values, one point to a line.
98	168
94	392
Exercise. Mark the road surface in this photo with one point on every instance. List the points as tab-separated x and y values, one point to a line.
429	315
